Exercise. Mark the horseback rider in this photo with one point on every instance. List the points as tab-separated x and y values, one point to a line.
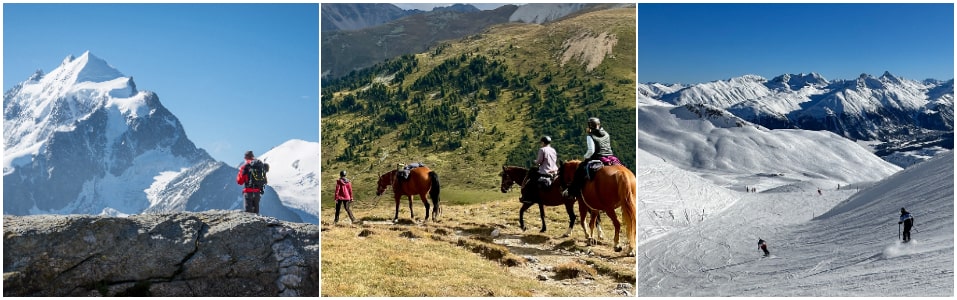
599	148
547	160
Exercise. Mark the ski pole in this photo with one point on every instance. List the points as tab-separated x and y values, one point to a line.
898	231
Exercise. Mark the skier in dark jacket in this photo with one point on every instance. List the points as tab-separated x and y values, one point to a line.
908	222
763	246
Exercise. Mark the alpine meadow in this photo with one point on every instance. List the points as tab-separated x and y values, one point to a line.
465	108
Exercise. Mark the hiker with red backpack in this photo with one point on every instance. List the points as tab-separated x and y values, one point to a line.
252	176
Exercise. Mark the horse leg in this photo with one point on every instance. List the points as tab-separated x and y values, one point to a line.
583	211
614	221
411	211
541	211
571	218
601	233
591	229
424	201
396	219
521	215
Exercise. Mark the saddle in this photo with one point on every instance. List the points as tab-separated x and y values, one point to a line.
593	166
545	180
404	173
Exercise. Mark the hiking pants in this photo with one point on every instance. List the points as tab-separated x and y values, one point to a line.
339	203
252	202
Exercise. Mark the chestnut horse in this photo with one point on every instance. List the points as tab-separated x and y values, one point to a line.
421	181
610	188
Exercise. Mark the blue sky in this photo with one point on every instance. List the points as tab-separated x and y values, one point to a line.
693	43
238	76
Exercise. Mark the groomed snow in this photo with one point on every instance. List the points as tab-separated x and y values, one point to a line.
840	243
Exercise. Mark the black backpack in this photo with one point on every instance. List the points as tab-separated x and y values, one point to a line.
255	172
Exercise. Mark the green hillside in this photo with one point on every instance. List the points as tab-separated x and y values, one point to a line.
469	106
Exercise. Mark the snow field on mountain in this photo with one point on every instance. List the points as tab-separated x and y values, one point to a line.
739	156
670	198
840	243
294	174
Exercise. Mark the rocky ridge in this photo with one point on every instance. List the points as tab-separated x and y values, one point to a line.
213	253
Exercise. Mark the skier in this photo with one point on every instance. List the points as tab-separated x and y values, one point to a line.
908	222
763	246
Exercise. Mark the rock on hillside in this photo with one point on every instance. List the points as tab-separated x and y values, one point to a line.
215	253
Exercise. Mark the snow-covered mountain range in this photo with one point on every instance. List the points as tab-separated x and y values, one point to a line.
887	108
825	204
82	139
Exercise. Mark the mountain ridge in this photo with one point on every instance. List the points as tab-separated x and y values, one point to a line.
83	139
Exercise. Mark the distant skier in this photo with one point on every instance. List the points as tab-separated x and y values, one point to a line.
818	191
764	247
908	222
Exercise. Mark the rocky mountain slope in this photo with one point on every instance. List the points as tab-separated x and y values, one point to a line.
355	16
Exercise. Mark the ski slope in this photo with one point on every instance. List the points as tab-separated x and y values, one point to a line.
840	243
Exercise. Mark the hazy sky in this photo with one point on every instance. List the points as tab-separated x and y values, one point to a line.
238	76
692	43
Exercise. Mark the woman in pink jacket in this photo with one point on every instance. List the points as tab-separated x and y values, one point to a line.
343	196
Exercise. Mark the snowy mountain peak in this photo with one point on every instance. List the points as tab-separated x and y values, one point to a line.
36	76
83	140
67	59
888	77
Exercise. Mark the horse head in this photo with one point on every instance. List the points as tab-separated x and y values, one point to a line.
507	180
384	181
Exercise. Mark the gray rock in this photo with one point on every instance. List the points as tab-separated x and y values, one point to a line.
214	253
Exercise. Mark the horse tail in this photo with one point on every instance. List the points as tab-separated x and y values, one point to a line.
627	189
434	190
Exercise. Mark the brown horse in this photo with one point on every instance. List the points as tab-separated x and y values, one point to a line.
421	181
611	187
512	175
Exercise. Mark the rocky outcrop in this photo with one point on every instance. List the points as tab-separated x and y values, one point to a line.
213	253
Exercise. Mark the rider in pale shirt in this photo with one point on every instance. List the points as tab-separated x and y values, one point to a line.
547	158
542	179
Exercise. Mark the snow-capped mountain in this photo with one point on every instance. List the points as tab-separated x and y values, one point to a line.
888	108
294	174
83	139
865	108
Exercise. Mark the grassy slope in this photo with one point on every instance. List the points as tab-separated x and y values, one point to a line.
470	173
432	263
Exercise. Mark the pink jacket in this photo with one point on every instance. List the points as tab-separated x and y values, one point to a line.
343	189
